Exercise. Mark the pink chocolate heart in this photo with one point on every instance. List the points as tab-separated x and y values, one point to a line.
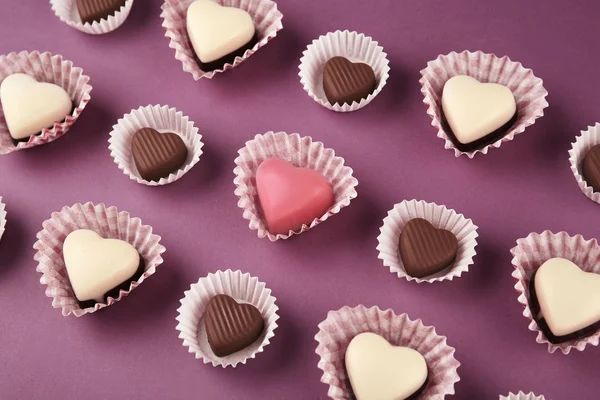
291	197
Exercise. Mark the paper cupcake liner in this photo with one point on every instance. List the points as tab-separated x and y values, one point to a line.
2	218
109	223
528	90
45	68
244	289
351	45
522	396
162	119
341	326
583	143
66	10
441	218
531	252
301	152
267	22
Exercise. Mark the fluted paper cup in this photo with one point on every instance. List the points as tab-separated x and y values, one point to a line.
301	152
530	253
244	289
522	396
441	218
66	11
583	143
44	67
2	218
109	223
341	326
162	119
265	15
354	46
528	90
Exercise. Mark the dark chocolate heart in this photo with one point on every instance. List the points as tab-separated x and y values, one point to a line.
591	168
97	10
426	250
230	326
347	82
156	155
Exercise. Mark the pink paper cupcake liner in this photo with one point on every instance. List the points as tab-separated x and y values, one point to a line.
441	218
44	67
351	45
583	143
244	289
66	11
109	223
162	119
341	326
522	396
267	22
531	252
528	90
301	152
2	217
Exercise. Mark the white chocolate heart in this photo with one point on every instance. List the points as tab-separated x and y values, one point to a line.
96	265
381	371
474	109
30	106
216	31
569	297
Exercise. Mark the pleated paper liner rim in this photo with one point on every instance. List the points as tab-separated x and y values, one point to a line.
525	101
173	12
106	25
242	287
33	64
522	396
579	149
371	47
2	218
98	218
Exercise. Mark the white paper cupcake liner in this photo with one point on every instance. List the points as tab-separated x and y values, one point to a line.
44	67
66	10
351	45
528	90
301	152
341	326
109	223
244	289
162	119
441	218
267	22
583	143
2	218
522	396
531	252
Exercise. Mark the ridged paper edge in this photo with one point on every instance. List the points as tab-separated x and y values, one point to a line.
65	9
583	143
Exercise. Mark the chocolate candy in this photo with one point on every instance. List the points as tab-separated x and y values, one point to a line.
230	326
97	10
590	168
347	82
426	250
156	155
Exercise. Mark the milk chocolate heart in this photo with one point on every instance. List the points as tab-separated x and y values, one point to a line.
378	370
97	10
156	155
230	326
426	250
347	82
590	168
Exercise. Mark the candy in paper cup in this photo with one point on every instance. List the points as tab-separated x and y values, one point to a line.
522	396
441	218
162	119
583	143
44	67
241	287
530	253
66	10
354	46
528	90
2	218
301	152
341	326
265	15
109	223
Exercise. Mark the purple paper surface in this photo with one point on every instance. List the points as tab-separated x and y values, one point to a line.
131	350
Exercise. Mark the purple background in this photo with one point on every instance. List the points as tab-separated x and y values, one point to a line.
131	350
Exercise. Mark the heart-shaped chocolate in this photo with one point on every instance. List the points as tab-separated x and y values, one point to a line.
426	250
347	82
97	10
590	168
156	155
379	370
230	326
291	197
